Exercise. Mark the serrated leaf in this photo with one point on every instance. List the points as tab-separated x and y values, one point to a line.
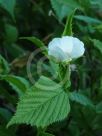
36	42
80	98
42	105
19	84
11	33
4	66
64	8
97	44
68	26
9	6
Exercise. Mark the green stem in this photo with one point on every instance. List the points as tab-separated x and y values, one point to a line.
41	130
64	75
38	131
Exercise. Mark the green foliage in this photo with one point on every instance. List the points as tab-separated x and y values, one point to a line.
4	66
64	7
9	6
45	134
81	99
6	132
14	49
97	3
37	42
99	108
40	102
88	19
6	114
30	19
97	44
19	84
11	33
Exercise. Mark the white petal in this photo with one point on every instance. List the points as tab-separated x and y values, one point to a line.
66	44
58	54
78	48
55	42
55	49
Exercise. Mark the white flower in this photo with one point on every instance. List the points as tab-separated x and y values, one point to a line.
66	48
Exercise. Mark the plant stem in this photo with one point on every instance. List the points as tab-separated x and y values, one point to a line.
64	75
41	130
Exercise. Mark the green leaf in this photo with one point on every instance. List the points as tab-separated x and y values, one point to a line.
98	28
88	19
37	42
14	50
11	33
19	84
97	44
9	6
97	4
80	98
4	66
64	8
68	26
43	104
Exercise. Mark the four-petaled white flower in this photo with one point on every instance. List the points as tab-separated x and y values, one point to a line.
66	48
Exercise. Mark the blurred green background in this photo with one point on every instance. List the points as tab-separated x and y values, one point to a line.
45	19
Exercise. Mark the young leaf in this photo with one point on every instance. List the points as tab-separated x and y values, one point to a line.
43	104
68	26
37	42
19	84
4	66
80	98
9	6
